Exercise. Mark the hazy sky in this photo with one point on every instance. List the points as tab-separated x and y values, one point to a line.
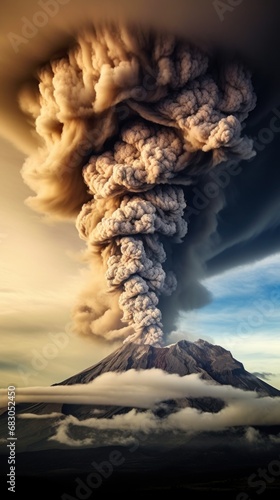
41	274
41	267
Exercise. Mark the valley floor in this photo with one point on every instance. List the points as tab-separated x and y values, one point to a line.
194	471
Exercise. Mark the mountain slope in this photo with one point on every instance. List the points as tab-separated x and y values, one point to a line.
213	362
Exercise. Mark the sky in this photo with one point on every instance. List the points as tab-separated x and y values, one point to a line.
42	268
243	316
41	272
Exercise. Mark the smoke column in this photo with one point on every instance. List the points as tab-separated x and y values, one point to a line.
129	119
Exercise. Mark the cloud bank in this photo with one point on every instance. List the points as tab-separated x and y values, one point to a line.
146	389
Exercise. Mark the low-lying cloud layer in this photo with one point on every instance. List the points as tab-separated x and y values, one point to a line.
147	389
138	388
187	420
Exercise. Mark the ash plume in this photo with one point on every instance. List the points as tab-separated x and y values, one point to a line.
129	120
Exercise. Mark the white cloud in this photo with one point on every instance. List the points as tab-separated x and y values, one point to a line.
260	411
63	435
137	388
31	416
252	435
275	439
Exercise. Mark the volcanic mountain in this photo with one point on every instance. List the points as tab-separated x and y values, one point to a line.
56	451
212	362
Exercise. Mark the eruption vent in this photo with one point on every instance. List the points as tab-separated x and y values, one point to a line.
128	119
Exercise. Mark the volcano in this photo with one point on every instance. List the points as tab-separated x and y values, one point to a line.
150	462
212	362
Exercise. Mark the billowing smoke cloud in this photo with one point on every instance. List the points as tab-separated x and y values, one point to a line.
128	120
